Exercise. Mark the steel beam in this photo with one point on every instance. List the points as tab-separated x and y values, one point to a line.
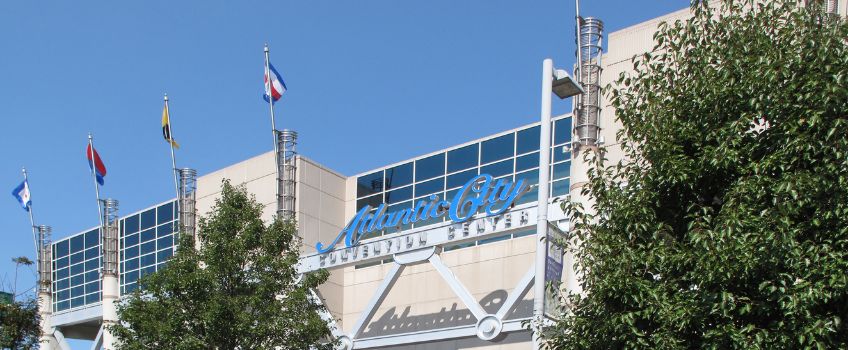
463	294
520	289
376	300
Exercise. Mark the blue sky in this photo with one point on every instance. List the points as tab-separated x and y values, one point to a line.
370	83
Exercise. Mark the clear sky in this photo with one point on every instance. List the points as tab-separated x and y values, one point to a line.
370	83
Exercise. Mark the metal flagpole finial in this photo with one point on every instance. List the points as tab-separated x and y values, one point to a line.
166	96
266	47
89	136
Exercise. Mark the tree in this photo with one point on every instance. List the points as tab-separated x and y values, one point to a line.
21	260
727	224
19	325
240	290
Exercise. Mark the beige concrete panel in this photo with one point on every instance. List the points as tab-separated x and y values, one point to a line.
332	209
308	173
309	200
333	184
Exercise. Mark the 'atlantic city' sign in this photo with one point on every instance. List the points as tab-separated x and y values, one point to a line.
494	196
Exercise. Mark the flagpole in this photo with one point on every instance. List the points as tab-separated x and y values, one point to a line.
32	221
94	178
171	144
269	90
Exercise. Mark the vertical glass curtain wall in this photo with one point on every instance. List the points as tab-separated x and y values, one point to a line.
513	155
147	241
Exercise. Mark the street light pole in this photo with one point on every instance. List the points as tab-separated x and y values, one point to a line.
542	209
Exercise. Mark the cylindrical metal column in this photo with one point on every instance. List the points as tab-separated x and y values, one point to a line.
542	209
109	284
45	277
586	123
287	168
188	201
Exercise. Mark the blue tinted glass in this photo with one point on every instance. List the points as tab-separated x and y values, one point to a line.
78	257
131	252
131	264
559	153
497	148
131	287
132	277
523	233
165	213
131	224
494	239
92	238
528	161
148	219
164	242
399	176
63	305
92	298
560	188
460	179
147	260
497	169
561	170
92	287
77	243
61	263
148	247
61	249
131	240
77	302
373	201
165	230
562	131
430	167
399	195
530	178
428	187
91	264
63	273
164	255
369	184
148	235
92	276
395	208
147	270
462	158
77	280
92	253
65	294
63	284
528	140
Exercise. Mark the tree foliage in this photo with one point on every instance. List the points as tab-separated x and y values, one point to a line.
19	325
240	290
727	224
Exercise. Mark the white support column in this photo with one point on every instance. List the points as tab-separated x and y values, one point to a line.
457	287
520	289
45	307
98	340
325	314
60	339
376	300
110	312
542	212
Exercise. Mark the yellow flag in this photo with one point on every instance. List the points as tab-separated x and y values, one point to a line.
166	128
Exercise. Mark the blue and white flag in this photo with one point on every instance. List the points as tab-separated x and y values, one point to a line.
21	193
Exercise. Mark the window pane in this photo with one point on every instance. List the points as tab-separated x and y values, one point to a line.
460	179
428	187
497	148
147	260
561	170
62	263
430	167
369	184
148	219
399	195
560	188
462	158
78	257
373	201
131	224
560	153
148	235
531	178
497	169
61	248
164	242
131	252
92	264
165	229
148	247
528	140
395	208
399	176
131	264
77	243
93	275
562	131
92	238
92	298
131	240
92	253
165	213
77	268
165	254
528	161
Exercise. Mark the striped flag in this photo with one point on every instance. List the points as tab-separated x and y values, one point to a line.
21	193
277	87
166	128
95	163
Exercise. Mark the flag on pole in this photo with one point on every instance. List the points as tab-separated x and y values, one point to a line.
277	87
166	128
96	164
21	193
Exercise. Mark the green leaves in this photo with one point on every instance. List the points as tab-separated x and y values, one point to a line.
240	290
19	325
727	224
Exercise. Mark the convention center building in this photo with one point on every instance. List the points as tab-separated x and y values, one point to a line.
439	251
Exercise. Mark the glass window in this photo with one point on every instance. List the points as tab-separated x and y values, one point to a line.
77	243
63	262
373	201
395	208
92	298
131	240
528	140
147	260
525	232
92	264
460	179
92	253
462	158
77	302
164	230
528	161
92	238
562	131
498	169
77	280
131	264
165	254
497	148
131	252
560	153
63	273
148	235
131	224
61	249
531	178
148	219
148	247
77	258
92	287
369	184
428	187
165	213
92	276
560	188
65	294
399	195
398	176
165	242
430	167
561	170
132	277
493	239
63	284
77	268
